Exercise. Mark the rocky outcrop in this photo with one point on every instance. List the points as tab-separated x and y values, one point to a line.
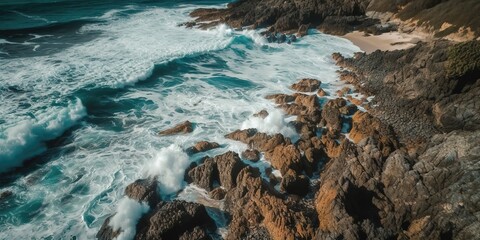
255	207
143	190
251	155
420	91
279	15
306	85
182	128
202	146
175	220
166	220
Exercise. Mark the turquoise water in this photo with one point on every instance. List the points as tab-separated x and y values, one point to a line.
85	87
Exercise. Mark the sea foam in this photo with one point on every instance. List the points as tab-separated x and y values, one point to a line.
27	138
274	123
128	213
169	168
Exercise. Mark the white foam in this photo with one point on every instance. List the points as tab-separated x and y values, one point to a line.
128	213
27	138
273	123
169	167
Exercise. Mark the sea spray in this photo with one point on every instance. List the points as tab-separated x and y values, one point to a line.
169	168
128	213
271	124
27	139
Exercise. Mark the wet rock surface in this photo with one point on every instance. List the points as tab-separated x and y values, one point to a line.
202	146
182	128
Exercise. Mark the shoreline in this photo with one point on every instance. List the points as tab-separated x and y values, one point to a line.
389	41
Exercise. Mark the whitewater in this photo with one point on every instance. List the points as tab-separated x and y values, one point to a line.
81	108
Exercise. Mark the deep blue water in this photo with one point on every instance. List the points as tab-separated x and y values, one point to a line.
86	85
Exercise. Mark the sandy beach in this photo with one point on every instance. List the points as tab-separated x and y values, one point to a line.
386	42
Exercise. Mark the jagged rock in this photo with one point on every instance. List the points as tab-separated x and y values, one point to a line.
185	127
285	157
197	233
106	232
322	92
218	193
144	190
260	141
303	30
281	98
205	174
332	115
172	220
253	203
306	85
251	155
202	146
365	125
295	184
229	165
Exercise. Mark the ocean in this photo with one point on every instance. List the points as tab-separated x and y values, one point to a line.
85	86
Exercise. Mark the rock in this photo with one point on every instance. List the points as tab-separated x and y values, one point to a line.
197	233
252	203
205	174
218	193
5	195
251	155
175	219
332	115
348	109
364	125
295	184
321	92
261	114
281	98
229	165
260	141
306	85
202	146
185	127
106	232
144	190
284	158
303	30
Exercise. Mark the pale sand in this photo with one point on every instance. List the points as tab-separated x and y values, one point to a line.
385	42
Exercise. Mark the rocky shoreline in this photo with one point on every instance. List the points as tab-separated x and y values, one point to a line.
406	167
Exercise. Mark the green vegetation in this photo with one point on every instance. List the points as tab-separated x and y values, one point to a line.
464	59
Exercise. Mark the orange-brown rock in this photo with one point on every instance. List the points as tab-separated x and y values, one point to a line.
202	146
253	203
306	85
185	127
322	92
365	125
281	98
285	157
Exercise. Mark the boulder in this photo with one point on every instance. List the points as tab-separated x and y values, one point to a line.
229	165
